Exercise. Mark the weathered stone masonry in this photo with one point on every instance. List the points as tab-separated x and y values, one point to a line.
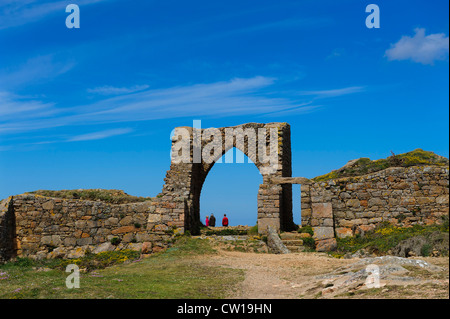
44	227
398	195
184	181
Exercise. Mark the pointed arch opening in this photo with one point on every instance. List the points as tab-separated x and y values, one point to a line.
231	187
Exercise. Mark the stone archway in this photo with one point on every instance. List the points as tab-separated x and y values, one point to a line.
195	151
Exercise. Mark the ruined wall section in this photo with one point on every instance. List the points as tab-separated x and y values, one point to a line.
398	195
43	227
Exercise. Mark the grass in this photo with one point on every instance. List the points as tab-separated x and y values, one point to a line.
384	238
174	274
253	231
306	229
109	196
226	232
251	245
365	166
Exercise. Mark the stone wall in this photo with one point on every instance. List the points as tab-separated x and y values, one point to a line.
398	195
43	227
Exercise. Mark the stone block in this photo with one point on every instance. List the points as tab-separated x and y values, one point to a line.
315	222
263	223
375	220
400	185
48	205
123	229
343	232
322	210
326	245
70	241
321	233
327	222
107	246
442	200
376	202
127	220
80	224
307	212
112	221
135	246
425	200
353	203
146	247
154	218
76	253
128	238
161	227
84	241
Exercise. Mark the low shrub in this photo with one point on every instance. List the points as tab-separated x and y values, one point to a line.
100	260
309	243
253	231
115	241
306	229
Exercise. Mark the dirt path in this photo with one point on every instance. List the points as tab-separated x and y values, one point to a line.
308	275
276	276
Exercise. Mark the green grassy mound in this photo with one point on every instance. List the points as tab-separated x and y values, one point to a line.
364	166
112	196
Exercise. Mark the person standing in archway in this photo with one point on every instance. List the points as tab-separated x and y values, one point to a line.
212	221
207	221
225	220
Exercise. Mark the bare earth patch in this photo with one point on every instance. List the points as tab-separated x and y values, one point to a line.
317	275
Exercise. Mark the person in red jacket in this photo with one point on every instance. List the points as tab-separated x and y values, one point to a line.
225	220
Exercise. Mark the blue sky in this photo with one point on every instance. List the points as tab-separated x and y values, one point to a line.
94	107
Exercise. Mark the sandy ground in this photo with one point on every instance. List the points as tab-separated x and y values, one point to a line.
316	275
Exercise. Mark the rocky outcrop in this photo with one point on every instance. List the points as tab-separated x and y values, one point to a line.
435	244
376	272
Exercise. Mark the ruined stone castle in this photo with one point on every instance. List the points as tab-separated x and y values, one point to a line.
43	227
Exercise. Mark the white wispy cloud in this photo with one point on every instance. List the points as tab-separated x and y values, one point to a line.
35	69
291	23
334	92
236	97
16	107
420	48
226	98
14	13
279	25
111	90
100	135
